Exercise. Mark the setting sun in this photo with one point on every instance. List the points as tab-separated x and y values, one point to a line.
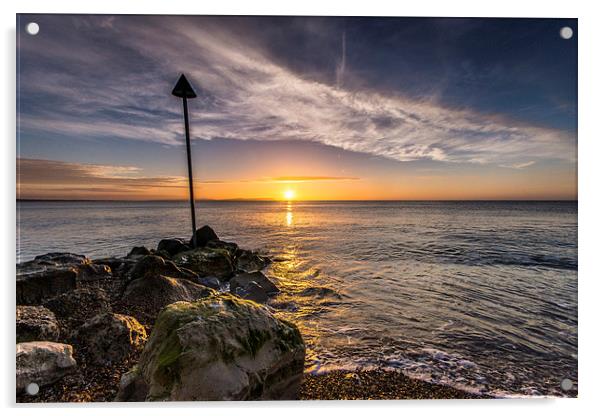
289	194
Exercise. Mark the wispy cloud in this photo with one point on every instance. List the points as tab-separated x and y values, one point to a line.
519	165
246	94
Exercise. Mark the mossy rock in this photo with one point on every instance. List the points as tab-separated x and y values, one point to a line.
207	261
218	348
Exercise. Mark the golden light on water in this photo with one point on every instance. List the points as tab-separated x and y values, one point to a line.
289	214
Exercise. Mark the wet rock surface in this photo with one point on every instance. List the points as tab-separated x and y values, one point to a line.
219	348
207	262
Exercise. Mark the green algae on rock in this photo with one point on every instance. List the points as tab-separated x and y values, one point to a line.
207	262
218	348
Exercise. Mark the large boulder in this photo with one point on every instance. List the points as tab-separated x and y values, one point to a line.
243	280
146	296
172	246
203	236
111	337
74	308
219	348
43	363
36	323
153	265
36	282
51	274
207	262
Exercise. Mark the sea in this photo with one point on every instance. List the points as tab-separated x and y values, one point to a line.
479	295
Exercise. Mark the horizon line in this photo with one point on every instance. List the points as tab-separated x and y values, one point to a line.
295	200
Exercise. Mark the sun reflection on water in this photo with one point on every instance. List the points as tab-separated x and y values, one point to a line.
289	214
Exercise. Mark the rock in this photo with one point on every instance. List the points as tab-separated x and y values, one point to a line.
219	348
252	291
138	251
320	292
92	272
207	262
111	337
36	323
243	280
132	388
249	261
231	248
74	308
36	281
210	281
146	296
61	259
203	236
154	266
120	266
172	246
43	363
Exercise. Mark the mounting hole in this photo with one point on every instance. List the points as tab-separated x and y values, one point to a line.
566	32
32	389
566	384
32	28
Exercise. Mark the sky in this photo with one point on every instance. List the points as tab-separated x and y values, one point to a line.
308	108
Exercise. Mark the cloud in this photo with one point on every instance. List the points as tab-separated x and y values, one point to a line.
39	174
244	93
519	165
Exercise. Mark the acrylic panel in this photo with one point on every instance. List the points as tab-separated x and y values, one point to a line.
312	208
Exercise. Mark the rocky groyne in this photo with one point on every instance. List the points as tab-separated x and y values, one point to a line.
172	323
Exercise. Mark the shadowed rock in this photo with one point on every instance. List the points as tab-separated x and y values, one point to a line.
36	323
146	296
203	236
138	251
252	291
155	265
111	337
172	246
43	363
219	348
243	280
51	274
61	259
74	308
36	282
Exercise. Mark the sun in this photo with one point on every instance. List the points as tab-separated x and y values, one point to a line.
289	194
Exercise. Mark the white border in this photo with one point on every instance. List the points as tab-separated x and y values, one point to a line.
590	151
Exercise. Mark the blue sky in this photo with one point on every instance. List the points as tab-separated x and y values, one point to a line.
394	101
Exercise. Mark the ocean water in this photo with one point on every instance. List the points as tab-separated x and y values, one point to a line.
479	295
